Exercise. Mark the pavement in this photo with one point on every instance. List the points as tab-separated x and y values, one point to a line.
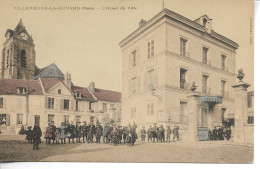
206	152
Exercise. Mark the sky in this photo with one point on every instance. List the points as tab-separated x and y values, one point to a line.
86	42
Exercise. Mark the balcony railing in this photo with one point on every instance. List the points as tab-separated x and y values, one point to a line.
207	62
224	68
206	90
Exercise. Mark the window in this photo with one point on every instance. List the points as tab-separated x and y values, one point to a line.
50	103
5	119
77	105
223	62
204	22
66	104
133	85
151	79
19	118
104	108
133	112
50	119
1	102
150	49
59	91
182	111
21	90
134	58
183	78
183	47
90	106
150	109
78	119
249	99
7	58
23	58
205	88
223	84
66	119
250	120
223	110
205	55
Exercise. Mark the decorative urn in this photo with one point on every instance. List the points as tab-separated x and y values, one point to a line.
193	87
241	74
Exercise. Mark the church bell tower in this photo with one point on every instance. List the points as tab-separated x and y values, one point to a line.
18	54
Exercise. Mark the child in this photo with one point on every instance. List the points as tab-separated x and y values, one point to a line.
143	134
57	136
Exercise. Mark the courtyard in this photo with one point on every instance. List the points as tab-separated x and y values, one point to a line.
17	149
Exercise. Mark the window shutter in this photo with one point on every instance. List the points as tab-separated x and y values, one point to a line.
61	104
156	75
8	119
71	105
4	103
46	102
56	104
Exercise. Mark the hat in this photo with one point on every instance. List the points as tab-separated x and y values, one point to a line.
29	127
84	122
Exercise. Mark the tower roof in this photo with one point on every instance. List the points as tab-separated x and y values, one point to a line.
50	71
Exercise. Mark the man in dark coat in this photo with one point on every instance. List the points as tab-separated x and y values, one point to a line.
78	132
215	133
53	130
149	133
143	134
155	132
37	133
91	132
105	131
84	131
72	131
29	135
99	131
175	133
220	133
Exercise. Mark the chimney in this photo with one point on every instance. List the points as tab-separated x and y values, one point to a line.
142	23
67	79
92	87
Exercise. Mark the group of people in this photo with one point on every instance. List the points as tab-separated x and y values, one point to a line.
110	134
33	136
158	134
218	133
87	132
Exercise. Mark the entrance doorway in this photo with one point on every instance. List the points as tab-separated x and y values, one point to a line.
37	120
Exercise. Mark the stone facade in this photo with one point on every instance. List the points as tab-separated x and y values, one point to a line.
162	59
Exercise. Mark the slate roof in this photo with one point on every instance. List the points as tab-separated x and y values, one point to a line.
107	95
9	86
50	71
85	93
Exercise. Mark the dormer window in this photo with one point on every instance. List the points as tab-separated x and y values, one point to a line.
78	94
21	90
205	22
59	91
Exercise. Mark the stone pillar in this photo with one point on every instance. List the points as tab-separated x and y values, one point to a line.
240	96
193	117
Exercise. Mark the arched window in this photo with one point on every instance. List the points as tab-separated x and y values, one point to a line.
59	91
23	58
205	22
